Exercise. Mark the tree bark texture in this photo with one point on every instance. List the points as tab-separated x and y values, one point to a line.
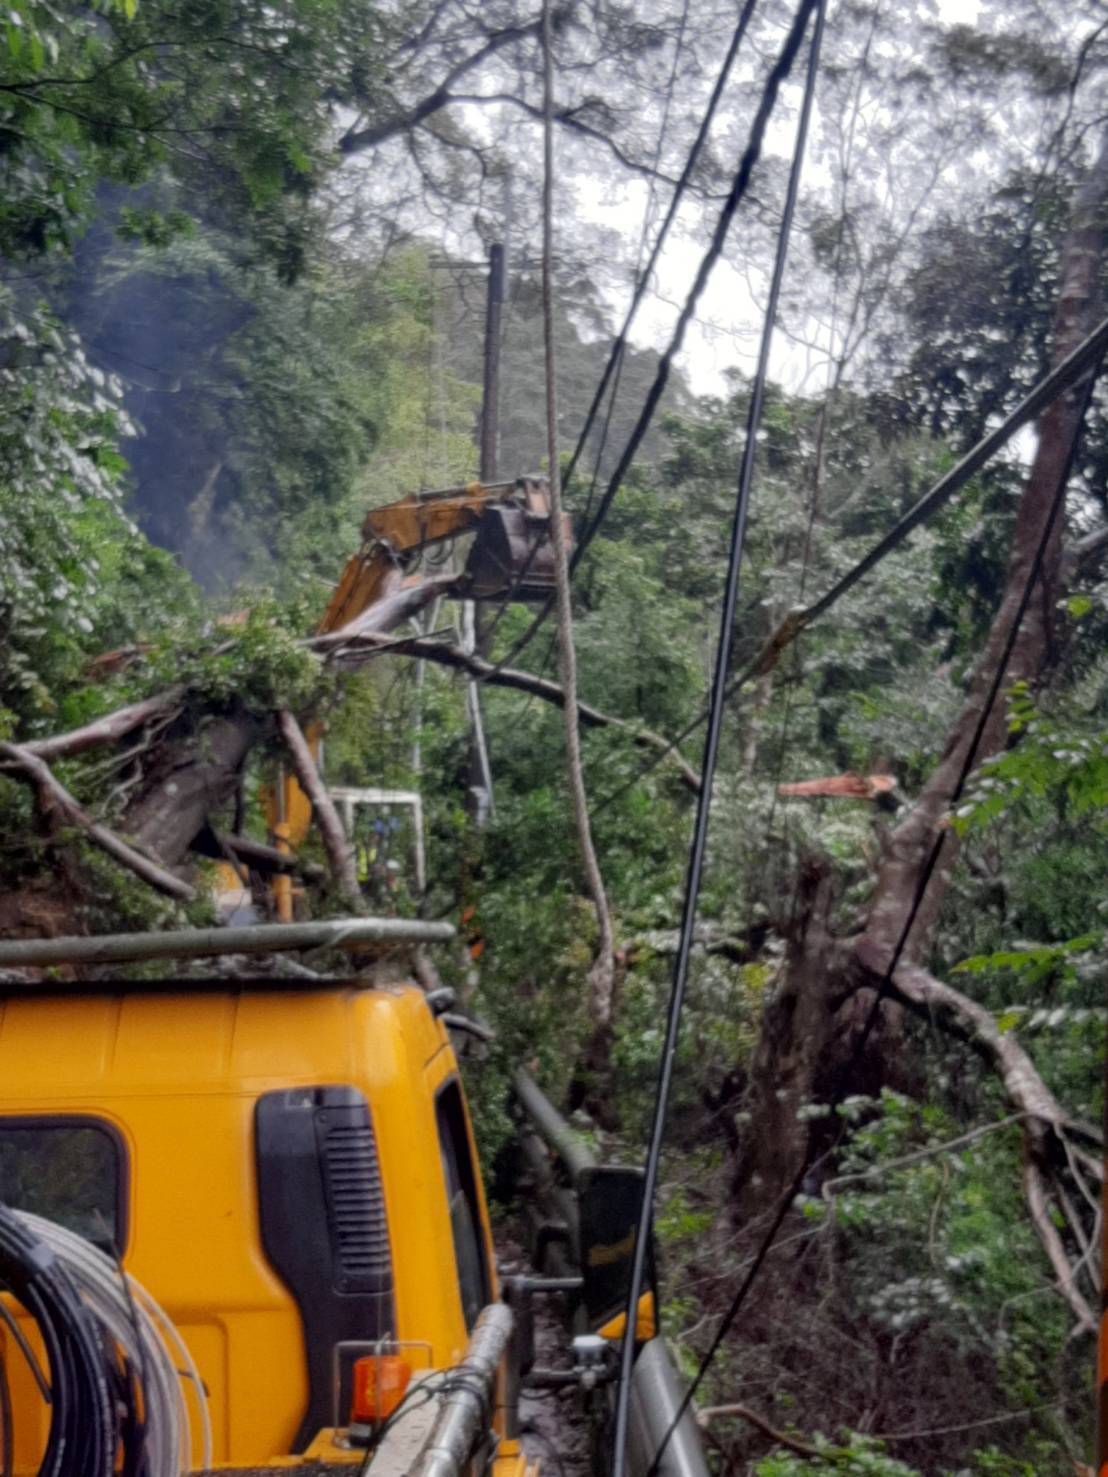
810	1034
197	771
340	853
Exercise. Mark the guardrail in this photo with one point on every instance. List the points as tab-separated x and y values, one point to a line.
465	1415
655	1394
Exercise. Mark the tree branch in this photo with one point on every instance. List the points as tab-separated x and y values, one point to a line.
357	140
567	118
1025	1089
875	1171
107	730
339	851
447	655
53	794
711	1413
1035	1193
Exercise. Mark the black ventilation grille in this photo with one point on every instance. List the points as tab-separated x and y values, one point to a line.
324	1227
355	1205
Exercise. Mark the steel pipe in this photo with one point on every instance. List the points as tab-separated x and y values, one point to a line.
549	1124
467	1405
200	943
655	1401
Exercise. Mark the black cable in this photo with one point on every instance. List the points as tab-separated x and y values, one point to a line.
617	350
620	342
641	277
135	1435
905	933
83	1424
1071	370
719	679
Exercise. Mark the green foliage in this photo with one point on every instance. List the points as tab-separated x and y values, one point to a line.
859	1457
1051	761
91	97
75	575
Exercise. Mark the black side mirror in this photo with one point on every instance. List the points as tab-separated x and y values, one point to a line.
609	1200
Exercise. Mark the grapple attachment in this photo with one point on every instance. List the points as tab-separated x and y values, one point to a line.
512	556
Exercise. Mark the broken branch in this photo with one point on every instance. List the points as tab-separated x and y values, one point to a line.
107	730
447	655
711	1413
339	851
37	773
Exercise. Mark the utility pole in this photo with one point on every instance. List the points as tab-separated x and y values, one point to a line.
490	396
480	771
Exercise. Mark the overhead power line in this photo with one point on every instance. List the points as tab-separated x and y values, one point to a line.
717	705
738	189
1089	352
966	769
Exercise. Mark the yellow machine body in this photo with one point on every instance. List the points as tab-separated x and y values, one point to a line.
511	559
175	1080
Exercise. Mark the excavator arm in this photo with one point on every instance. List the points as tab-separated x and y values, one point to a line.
511	558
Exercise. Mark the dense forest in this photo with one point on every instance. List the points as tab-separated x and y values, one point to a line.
242	301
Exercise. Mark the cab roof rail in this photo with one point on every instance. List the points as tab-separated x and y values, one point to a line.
201	943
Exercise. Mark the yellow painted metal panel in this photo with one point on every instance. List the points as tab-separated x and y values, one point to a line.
179	1076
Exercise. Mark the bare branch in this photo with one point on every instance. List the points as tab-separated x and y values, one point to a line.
876	1170
54	795
358	140
1052	1243
339	851
107	730
1025	1089
447	655
710	1413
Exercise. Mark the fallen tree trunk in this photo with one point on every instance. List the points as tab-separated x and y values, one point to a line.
199	773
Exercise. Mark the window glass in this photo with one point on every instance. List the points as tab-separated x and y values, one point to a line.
461	1193
66	1169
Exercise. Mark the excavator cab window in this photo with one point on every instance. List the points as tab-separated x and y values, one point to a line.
70	1170
461	1192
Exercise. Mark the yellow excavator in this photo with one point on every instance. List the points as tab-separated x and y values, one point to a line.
510	558
242	1221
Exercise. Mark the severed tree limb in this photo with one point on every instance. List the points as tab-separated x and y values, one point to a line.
1035	1194
53	793
958	1015
107	730
339	851
1044	1117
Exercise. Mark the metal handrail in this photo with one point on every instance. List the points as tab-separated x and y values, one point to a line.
467	1402
655	1393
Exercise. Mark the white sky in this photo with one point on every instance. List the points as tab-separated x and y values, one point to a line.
728	323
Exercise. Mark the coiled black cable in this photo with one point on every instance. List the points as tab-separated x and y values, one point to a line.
83	1426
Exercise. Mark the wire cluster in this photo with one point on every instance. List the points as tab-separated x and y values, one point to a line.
114	1361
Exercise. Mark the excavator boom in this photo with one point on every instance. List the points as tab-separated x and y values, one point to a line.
510	558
